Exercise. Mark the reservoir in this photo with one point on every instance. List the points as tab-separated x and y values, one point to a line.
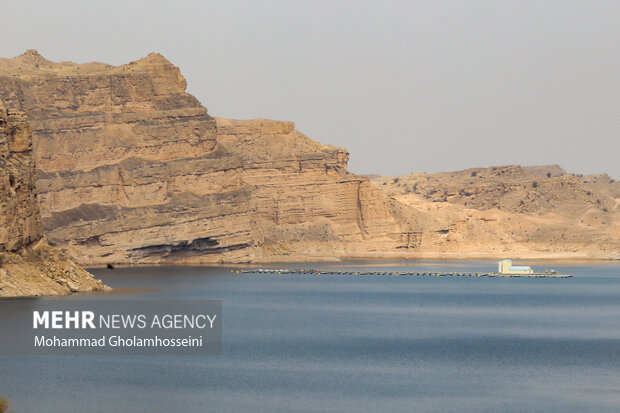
346	343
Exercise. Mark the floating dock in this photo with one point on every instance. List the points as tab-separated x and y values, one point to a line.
397	273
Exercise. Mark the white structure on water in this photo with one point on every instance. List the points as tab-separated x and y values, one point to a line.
506	267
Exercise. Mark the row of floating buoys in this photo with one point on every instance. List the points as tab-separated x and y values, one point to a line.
357	273
339	272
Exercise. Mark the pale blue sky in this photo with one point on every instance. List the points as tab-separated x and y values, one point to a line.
403	85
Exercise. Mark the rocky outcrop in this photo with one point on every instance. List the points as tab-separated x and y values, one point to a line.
308	204
28	265
40	269
19	217
512	211
129	166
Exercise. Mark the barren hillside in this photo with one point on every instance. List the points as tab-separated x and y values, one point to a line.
512	210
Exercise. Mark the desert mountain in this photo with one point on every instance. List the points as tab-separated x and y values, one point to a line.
132	169
512	210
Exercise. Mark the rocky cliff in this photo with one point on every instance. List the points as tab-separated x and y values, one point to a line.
132	169
512	210
28	265
129	166
308	204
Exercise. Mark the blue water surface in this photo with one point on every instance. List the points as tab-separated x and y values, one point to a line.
346	343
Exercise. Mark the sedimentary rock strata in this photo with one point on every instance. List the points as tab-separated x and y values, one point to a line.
133	169
307	201
129	166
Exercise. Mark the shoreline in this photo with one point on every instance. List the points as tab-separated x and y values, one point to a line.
371	261
291	259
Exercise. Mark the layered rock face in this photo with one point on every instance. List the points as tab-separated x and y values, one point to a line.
28	265
129	166
308	204
132	169
512	210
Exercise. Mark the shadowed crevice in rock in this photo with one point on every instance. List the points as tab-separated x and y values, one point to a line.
184	249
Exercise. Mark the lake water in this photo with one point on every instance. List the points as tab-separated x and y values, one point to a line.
339	343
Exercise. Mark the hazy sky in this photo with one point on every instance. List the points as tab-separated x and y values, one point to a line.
403	85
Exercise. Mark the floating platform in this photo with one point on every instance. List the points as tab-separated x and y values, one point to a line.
399	273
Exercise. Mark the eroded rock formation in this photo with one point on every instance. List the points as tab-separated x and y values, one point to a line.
512	211
129	166
130	170
308	204
28	265
19	220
